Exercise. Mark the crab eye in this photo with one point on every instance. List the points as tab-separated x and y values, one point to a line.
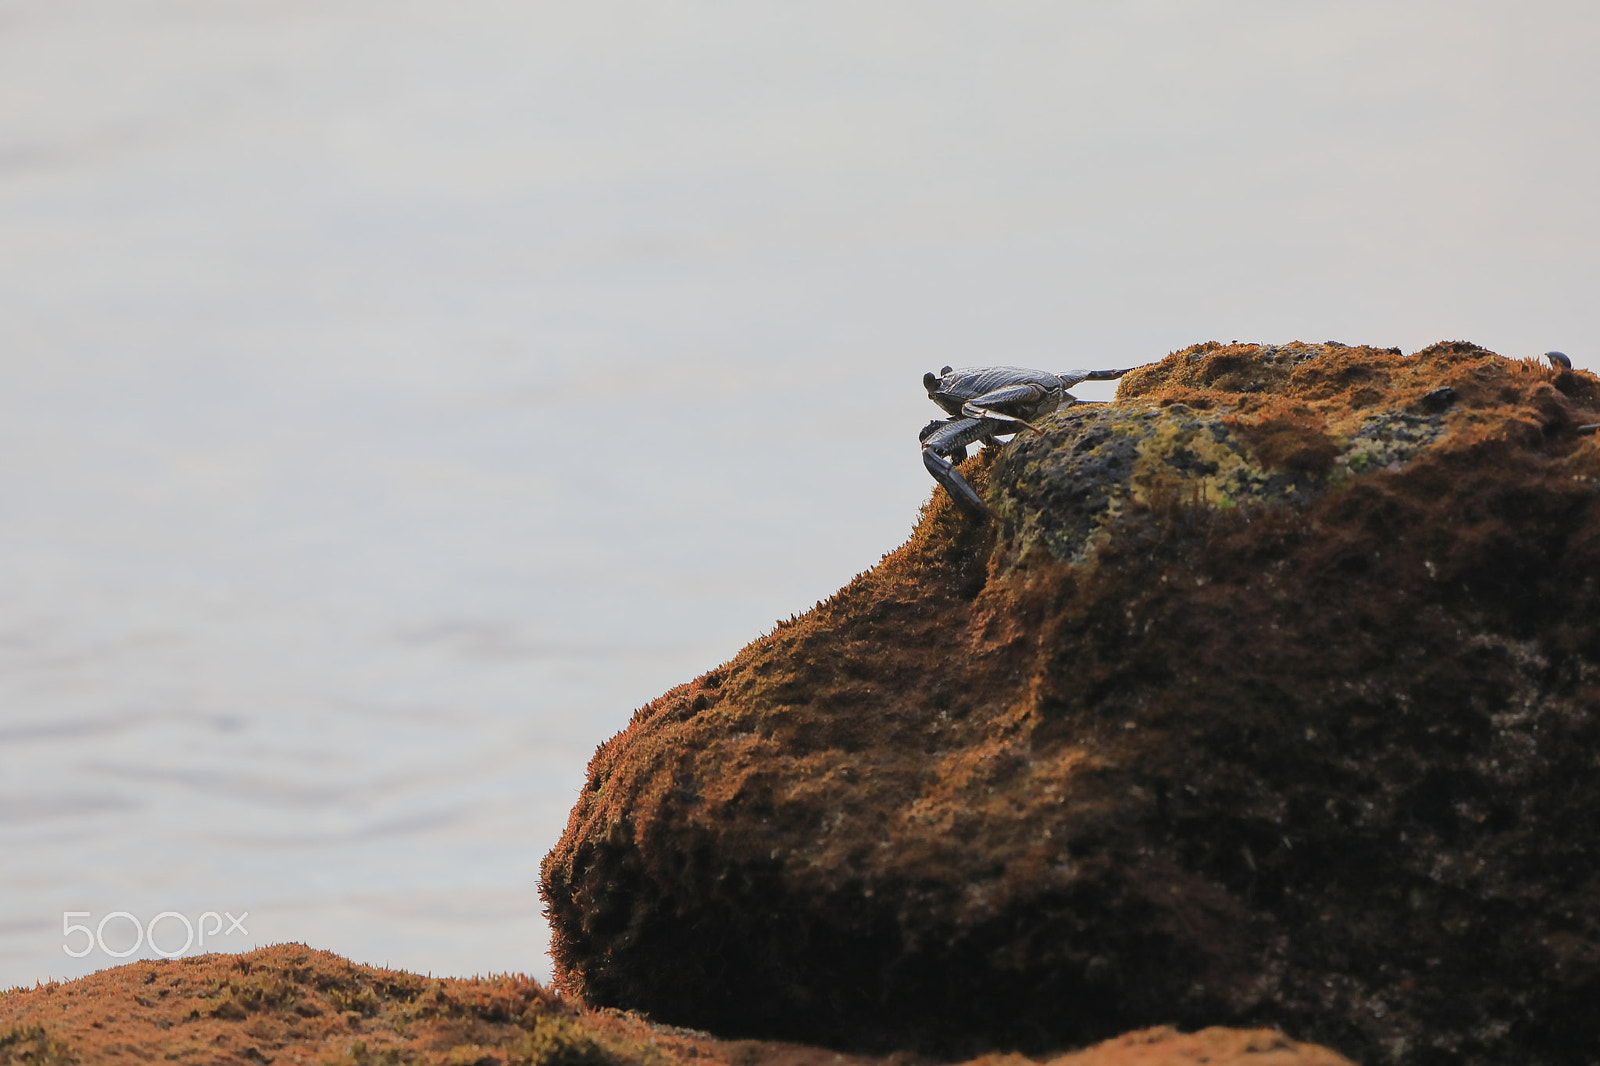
944	370
930	383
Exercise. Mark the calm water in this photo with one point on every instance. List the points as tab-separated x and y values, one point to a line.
394	396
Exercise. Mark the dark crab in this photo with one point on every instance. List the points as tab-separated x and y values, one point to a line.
986	402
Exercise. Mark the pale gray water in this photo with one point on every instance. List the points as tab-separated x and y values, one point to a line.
394	395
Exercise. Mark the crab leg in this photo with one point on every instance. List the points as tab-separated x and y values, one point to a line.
944	472
1072	377
985	406
950	438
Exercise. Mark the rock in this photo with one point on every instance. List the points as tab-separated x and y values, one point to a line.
1165	1046
1271	698
288	1003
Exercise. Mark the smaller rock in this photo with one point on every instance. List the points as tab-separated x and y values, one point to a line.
288	1003
1165	1046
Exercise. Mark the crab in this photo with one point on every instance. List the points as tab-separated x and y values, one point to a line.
985	402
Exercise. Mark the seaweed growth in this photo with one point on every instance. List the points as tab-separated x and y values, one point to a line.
1271	699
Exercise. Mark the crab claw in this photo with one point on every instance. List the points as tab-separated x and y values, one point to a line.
944	472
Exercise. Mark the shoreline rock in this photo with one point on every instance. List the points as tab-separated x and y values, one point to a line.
1271	698
292	1004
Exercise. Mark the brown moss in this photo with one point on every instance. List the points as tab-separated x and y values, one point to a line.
313	1005
1165	1046
288	1003
33	1045
1292	440
1271	698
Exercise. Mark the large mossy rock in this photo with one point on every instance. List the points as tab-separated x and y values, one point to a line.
1272	697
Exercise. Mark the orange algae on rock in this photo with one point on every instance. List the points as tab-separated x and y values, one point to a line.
1166	1046
288	1003
1270	698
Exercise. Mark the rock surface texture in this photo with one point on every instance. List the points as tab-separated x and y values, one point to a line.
1272	698
289	1004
